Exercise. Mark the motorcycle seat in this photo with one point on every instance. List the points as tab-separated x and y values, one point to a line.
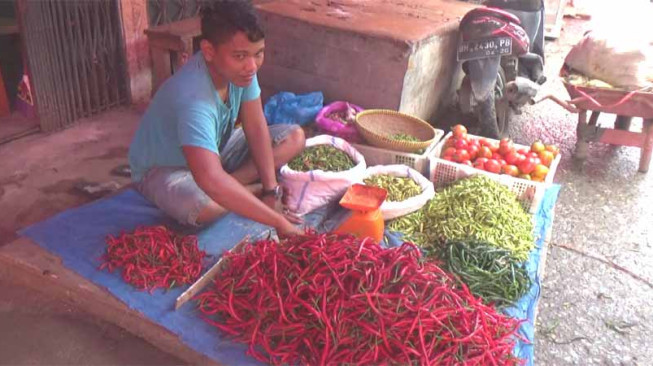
489	12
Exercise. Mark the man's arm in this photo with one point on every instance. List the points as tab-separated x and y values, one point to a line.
222	188
258	138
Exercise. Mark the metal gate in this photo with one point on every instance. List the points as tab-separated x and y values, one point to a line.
76	57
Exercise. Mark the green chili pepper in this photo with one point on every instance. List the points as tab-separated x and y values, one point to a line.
490	273
322	157
399	188
473	208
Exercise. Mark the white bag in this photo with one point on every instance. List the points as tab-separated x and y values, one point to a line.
623	62
392	210
307	191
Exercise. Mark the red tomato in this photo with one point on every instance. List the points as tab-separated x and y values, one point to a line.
510	170
505	146
450	142
527	165
480	163
473	151
553	149
538	146
496	156
459	131
461	155
494	147
502	162
546	157
461	144
466	162
493	166
524	151
484	152
533	155
512	157
484	142
448	158
449	151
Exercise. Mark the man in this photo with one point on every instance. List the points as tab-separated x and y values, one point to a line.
184	156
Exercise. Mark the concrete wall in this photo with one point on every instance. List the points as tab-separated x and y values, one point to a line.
302	57
139	68
431	76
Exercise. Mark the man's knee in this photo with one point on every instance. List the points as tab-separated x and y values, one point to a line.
297	138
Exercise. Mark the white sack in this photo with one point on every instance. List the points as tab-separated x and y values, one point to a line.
392	210
307	191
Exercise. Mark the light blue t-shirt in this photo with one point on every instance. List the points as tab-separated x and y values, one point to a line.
186	111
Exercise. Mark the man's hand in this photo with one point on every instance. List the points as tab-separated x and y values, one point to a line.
288	229
276	205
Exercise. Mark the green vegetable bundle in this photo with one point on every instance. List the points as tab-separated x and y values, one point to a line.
404	137
399	188
490	273
322	157
473	208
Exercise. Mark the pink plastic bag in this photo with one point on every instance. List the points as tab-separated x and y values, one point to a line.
342	127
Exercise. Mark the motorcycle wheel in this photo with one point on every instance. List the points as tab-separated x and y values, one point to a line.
493	113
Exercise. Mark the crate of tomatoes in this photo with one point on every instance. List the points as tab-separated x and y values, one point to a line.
526	170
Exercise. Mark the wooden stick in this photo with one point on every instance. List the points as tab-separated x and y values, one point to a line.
206	278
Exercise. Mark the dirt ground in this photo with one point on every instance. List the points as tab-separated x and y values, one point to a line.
590	313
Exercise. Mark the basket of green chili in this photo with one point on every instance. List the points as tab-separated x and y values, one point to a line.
395	131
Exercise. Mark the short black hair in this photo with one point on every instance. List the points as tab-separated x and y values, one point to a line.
221	19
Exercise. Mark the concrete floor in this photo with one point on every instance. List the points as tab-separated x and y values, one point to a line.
590	313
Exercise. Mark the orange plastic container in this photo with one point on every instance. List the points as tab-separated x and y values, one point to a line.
366	219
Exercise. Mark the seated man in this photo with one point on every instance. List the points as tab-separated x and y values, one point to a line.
186	156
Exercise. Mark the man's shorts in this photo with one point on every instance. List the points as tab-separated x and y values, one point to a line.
174	190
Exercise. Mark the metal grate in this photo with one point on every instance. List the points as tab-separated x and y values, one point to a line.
76	55
166	11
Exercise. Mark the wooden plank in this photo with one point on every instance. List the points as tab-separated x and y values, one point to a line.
620	137
206	278
25	263
647	146
186	28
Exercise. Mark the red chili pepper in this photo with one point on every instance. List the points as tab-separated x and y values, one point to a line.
153	257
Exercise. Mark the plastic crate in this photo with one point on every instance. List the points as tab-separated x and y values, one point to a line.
529	193
378	156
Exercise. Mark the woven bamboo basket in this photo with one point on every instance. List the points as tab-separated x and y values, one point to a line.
377	126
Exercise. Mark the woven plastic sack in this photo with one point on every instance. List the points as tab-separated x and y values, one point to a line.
392	210
623	62
307	191
290	108
337	128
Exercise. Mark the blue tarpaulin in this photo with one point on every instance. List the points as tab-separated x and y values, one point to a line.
77	236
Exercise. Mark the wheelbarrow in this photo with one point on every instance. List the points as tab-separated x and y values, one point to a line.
638	103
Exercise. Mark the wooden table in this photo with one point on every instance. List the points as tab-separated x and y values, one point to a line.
170	46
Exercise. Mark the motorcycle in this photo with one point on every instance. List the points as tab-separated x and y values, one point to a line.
502	55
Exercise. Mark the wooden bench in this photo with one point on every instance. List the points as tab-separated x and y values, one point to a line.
170	46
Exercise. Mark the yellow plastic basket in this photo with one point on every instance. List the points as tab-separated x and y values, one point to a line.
377	126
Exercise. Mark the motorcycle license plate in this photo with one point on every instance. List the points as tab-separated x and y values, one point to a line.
484	48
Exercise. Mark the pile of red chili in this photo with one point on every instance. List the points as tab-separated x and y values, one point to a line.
154	257
329	299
